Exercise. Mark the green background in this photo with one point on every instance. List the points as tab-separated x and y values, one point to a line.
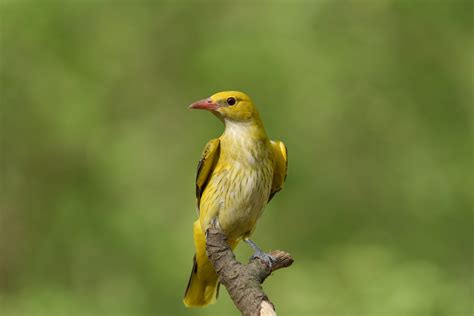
98	152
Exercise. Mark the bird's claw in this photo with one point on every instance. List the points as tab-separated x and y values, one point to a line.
268	259
258	253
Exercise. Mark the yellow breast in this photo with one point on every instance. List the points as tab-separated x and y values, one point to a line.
240	185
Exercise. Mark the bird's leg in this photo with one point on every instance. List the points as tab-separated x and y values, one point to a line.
259	253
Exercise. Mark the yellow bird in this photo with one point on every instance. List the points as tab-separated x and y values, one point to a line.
238	174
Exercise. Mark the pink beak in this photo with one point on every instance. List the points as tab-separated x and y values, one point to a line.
205	104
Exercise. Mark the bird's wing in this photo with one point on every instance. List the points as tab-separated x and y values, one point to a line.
280	167
206	165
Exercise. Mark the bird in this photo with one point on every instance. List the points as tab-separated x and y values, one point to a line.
237	175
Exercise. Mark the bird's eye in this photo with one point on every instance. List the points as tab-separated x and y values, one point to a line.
231	101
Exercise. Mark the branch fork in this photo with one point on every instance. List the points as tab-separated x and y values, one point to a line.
243	281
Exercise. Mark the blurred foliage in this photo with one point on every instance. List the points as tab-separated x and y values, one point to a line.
98	152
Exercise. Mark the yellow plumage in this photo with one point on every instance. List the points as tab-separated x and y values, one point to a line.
238	174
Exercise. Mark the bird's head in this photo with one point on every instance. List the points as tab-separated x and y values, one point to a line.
229	105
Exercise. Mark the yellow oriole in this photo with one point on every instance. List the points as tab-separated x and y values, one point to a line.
238	174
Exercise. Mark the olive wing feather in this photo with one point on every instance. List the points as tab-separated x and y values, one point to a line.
280	167
206	166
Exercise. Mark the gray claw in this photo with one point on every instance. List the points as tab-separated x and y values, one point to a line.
258	253
265	257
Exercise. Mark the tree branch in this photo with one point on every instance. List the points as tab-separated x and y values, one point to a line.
243	282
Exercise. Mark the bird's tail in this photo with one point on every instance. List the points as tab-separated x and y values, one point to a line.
202	287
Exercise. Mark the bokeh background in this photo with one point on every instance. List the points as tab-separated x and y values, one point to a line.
98	152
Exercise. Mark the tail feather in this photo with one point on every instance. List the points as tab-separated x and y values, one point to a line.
202	287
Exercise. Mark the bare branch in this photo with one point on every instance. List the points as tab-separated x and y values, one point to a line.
243	282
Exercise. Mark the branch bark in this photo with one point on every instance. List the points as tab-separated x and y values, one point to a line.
243	281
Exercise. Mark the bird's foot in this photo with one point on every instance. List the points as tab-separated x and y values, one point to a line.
214	223
260	254
266	257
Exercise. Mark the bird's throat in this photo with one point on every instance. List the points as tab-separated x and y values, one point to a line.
244	142
248	130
